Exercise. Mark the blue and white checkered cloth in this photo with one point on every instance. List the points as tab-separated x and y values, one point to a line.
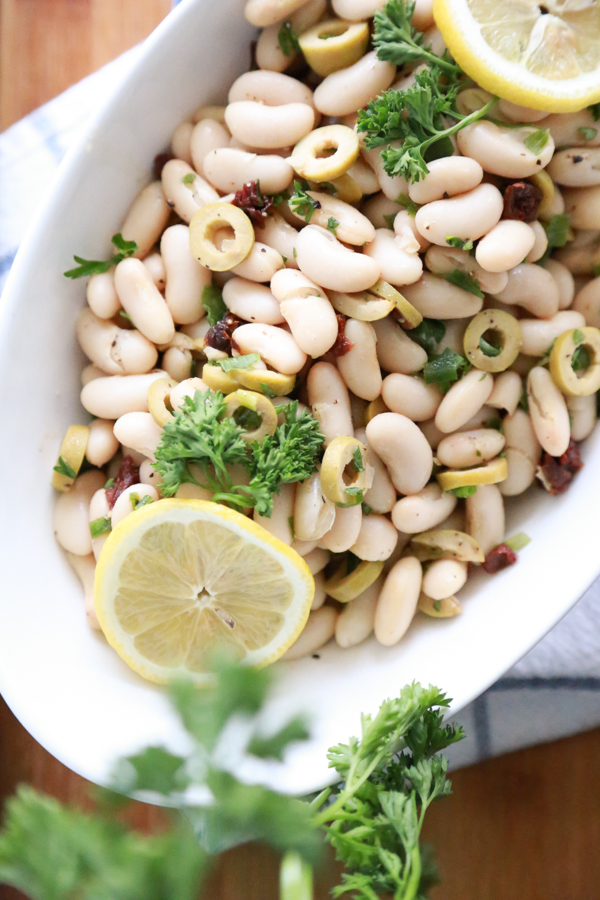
552	692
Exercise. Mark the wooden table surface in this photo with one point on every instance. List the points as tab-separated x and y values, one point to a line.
523	827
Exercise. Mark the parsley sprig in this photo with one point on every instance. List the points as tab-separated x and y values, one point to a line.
302	203
88	267
445	368
201	444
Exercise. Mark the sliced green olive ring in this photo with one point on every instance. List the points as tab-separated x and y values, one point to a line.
70	457
492	472
450	544
204	228
253	412
439	609
265	381
334	45
497	332
344	471
575	361
217	380
345	586
362	306
307	162
158	395
408	313
543	181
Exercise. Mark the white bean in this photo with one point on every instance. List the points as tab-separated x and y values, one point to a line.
327	262
303	548
533	288
102	444
266	12
318	630
125	502
344	532
147	218
260	265
515	113
279	522
350	89
398	601
391	185
470	448
89	373
186	197
436	298
115	350
443	260
313	512
329	401
541	242
99	509
378	207
186	388
565	128
207	136
114	395
381	496
583	415
432	433
269	54
357	618
502	151
156	269
506	392
274	345
577	167
143	302
396	352
85	569
359	366
523	452
269	127
485	517
464	399
229	169
468	216
186	278
102	297
316	560
177	362
190	491
581	254
139	431
270	88
352	227
587	302
446	177
275	232
71	513
148	475
538	334
396	264
424	510
583	207
548	411
355	10
410	396
564	280
377	538
505	246
312	320
404	449
181	141
443	578
320	596
252	302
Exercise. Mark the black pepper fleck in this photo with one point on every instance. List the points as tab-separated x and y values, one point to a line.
316	656
577	159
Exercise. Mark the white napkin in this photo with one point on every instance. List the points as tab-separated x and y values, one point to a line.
552	692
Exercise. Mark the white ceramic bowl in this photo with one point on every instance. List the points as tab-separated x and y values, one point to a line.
68	688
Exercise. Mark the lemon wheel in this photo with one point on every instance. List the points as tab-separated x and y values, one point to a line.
182	579
542	55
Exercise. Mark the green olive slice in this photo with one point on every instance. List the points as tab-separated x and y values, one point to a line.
265	381
450	544
493	472
362	306
409	315
307	162
217	380
575	361
439	609
344	471
206	225
345	586
492	340
253	412
543	181
158	397
334	44
70	457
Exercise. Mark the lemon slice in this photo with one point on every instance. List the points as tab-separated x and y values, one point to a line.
182	579
542	55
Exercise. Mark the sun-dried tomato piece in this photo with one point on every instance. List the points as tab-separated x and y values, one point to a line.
253	202
501	557
557	473
127	475
219	336
160	161
342	343
522	201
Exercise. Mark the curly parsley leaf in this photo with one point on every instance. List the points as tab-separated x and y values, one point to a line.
302	203
445	368
212	301
428	334
88	267
288	39
464	281
557	231
396	40
487	348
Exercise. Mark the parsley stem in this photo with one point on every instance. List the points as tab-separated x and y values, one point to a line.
462	123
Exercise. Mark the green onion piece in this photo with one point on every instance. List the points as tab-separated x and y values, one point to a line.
518	541
295	878
100	526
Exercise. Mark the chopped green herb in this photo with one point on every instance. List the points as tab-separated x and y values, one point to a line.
125	315
302	203
238	362
390	219
459	243
595	111
581	359
278	199
578	336
367	510
557	232
518	541
332	224
95	267
137	502
212	301
464	281
63	468
537	140
292	531
295	253
100	526
246	418
496	424
428	334
463	492
358	460
437	605
189	178
288	39
588	134
478	453
445	368
487	348
109	484
596	271
328	186
284	258
355	492
523	401
409	205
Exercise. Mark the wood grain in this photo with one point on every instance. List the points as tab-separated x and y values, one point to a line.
525	826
